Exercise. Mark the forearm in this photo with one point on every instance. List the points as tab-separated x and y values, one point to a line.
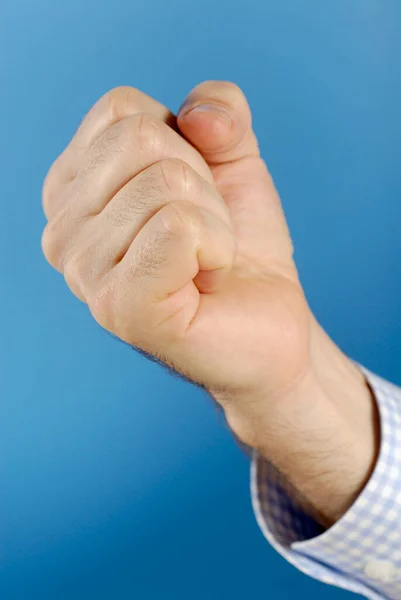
356	435
360	552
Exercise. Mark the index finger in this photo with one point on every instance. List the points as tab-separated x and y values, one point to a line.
117	104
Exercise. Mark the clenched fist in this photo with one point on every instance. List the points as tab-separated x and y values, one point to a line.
172	232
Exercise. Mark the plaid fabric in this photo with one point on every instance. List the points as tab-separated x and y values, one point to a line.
362	551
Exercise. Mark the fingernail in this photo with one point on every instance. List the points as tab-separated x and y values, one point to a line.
216	109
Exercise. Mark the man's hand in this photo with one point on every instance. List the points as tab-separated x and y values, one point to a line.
172	232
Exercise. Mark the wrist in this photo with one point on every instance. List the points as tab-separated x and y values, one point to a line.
323	435
342	453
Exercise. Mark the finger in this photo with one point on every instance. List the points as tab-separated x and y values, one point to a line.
95	245
217	120
152	291
115	105
119	154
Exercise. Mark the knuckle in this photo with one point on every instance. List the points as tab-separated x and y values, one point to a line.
50	187
101	304
76	271
150	133
140	131
50	246
178	176
56	235
118	100
176	217
47	194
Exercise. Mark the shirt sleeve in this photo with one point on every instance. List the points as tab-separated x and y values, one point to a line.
362	551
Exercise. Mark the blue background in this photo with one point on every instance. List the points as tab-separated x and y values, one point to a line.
117	481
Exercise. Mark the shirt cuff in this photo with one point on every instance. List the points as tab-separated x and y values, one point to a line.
362	551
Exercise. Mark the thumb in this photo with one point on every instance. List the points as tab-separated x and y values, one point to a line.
216	119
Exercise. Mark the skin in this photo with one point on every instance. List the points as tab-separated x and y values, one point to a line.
171	230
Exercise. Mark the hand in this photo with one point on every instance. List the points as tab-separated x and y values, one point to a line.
172	232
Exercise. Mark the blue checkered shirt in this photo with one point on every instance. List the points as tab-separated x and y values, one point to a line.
362	551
